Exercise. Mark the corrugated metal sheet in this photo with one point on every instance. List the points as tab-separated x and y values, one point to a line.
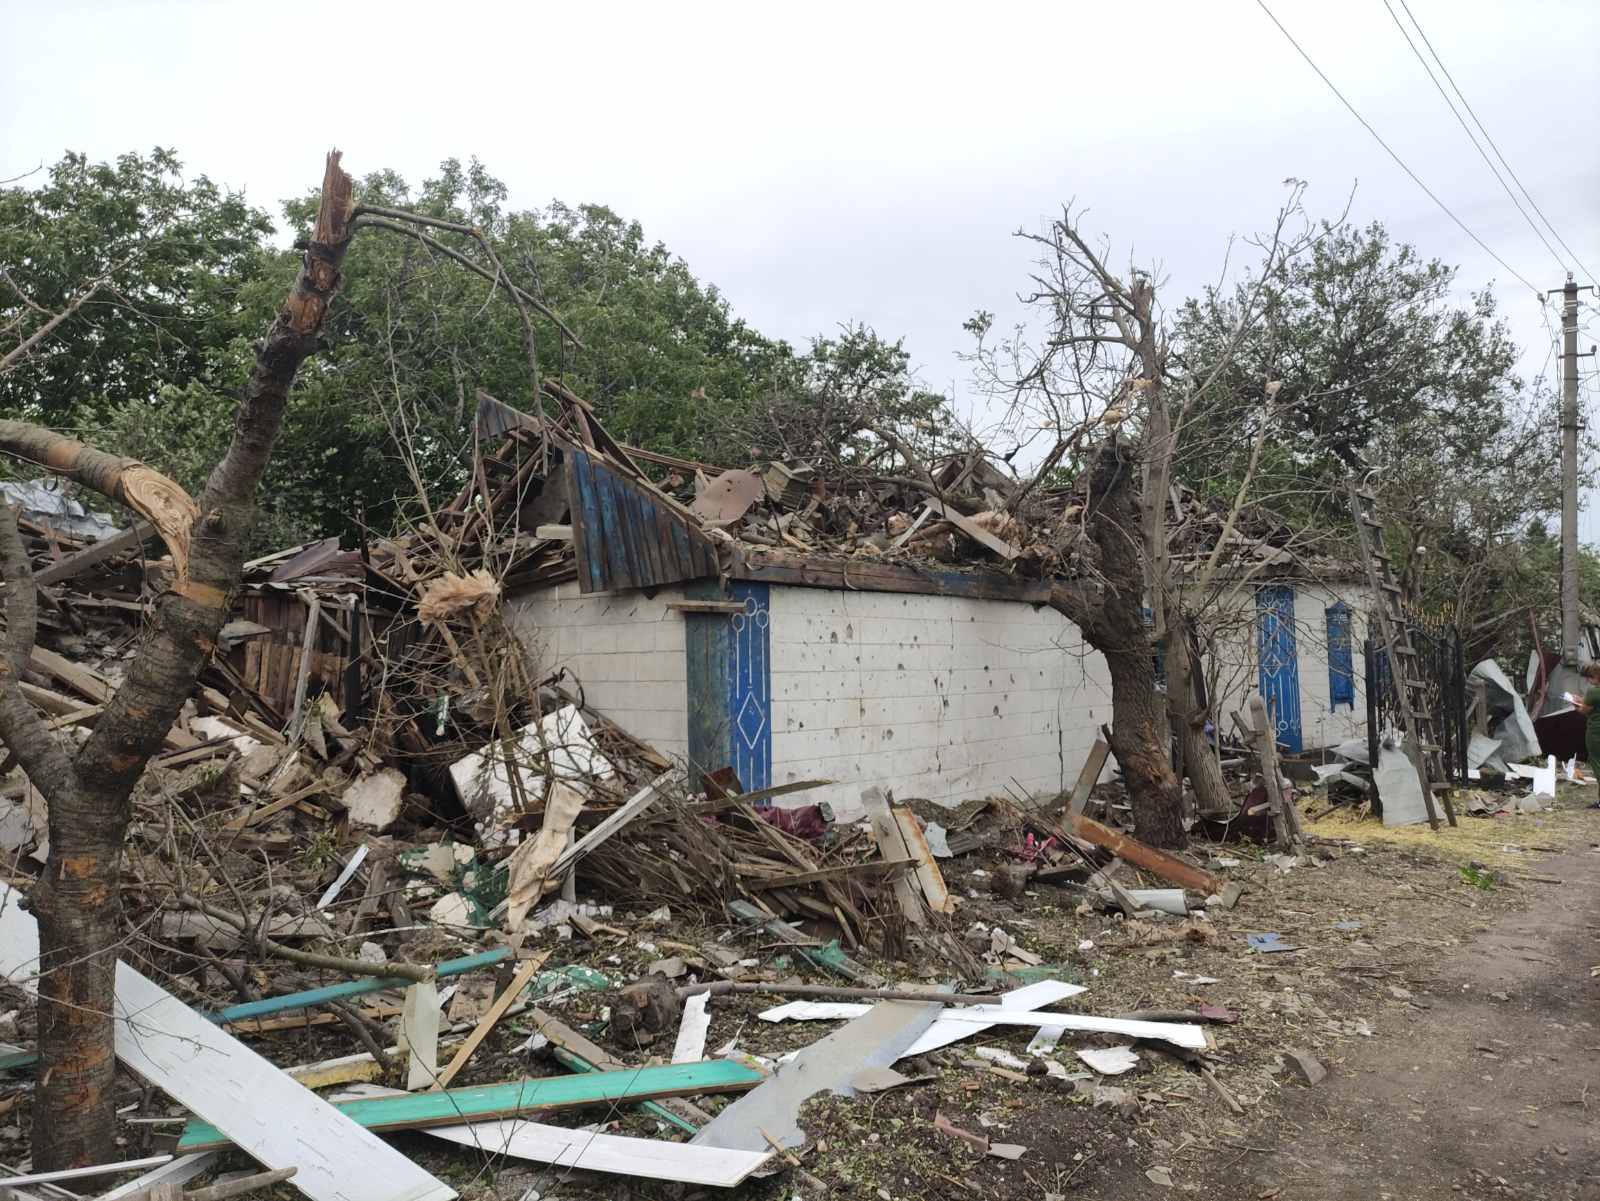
624	537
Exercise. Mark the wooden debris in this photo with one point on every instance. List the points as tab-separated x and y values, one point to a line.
519	984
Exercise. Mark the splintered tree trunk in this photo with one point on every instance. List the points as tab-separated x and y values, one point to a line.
1140	742
77	899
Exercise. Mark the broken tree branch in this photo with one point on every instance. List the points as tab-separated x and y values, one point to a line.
373	215
126	481
338	963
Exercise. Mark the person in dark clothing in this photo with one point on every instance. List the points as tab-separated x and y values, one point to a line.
1591	706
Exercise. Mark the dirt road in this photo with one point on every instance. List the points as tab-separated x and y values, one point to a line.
1491	1090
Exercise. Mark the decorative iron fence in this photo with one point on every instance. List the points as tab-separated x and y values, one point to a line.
1441	667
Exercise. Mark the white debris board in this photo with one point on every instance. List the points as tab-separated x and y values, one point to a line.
279	1122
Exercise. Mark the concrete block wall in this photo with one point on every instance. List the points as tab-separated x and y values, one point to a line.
935	697
626	649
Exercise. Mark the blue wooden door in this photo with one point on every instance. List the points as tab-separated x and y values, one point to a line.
750	686
1278	663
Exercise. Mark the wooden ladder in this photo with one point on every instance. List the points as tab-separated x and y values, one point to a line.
1423	740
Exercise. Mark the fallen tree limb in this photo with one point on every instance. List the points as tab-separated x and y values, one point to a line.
337	963
127	481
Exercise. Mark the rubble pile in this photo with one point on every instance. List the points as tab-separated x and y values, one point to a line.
383	854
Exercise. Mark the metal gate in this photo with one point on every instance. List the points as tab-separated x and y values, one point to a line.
1441	667
1278	663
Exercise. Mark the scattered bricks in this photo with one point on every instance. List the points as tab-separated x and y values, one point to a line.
1306	1066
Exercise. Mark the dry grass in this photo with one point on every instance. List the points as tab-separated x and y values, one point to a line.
1503	841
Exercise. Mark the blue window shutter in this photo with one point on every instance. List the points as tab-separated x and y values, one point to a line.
1341	658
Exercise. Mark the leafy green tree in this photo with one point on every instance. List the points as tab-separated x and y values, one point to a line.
177	257
1383	375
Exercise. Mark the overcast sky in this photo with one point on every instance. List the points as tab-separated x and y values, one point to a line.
830	162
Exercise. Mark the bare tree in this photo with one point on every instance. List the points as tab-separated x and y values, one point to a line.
1105	367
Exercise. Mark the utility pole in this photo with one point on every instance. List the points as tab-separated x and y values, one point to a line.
1569	472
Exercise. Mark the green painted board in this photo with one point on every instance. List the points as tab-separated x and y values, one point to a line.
310	999
314	997
457	1106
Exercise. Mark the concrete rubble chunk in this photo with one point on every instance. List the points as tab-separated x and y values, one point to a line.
1306	1066
375	800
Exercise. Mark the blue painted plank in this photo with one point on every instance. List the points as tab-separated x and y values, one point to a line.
313	997
309	999
588	525
451	1107
616	556
1341	657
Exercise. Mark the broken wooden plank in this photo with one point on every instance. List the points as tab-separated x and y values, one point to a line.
706	606
346	1069
891	841
86	683
1156	862
691	1043
95	553
906	534
491	1016
1088	777
418	1111
419	1034
1285	821
928	873
615	821
973	530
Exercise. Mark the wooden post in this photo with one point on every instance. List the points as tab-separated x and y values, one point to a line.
1480	707
1285	822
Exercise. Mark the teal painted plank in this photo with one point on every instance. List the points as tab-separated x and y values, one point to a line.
415	1111
577	1063
350	988
308	999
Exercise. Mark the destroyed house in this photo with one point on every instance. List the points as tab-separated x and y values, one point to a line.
784	627
945	684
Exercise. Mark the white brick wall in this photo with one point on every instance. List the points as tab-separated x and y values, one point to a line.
626	650
932	697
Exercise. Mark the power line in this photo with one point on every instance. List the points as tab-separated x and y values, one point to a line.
1466	129
1531	201
1398	160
